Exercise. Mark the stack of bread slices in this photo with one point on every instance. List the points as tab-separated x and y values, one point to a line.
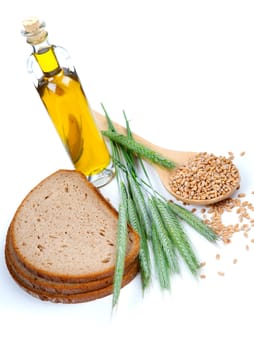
61	243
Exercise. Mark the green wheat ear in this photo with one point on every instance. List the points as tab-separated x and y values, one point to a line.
139	149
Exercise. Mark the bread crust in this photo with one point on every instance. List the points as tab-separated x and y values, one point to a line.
42	284
132	252
72	298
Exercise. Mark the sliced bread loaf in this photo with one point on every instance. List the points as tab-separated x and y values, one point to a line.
64	232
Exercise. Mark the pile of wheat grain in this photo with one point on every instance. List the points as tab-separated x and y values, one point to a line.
232	216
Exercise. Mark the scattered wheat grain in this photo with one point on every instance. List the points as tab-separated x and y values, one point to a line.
221	273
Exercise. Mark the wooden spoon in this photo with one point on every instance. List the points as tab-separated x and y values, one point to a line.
178	157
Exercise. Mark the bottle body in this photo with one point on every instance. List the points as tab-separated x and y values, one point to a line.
61	92
69	110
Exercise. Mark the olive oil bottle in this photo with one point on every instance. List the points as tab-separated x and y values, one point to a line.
61	92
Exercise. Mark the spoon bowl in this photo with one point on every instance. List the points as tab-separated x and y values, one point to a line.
180	158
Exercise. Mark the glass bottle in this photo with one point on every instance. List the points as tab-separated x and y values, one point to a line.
61	92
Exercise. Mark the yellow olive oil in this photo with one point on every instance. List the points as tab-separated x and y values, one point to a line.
67	105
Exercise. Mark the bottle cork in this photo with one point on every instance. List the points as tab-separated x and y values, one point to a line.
34	30
31	24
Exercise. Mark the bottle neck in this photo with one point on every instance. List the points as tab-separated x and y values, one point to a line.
45	56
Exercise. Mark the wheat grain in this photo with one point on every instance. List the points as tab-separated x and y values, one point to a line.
205	177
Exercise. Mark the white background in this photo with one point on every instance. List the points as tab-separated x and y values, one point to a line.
184	73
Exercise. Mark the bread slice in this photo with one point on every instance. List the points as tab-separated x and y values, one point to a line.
65	231
43	285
